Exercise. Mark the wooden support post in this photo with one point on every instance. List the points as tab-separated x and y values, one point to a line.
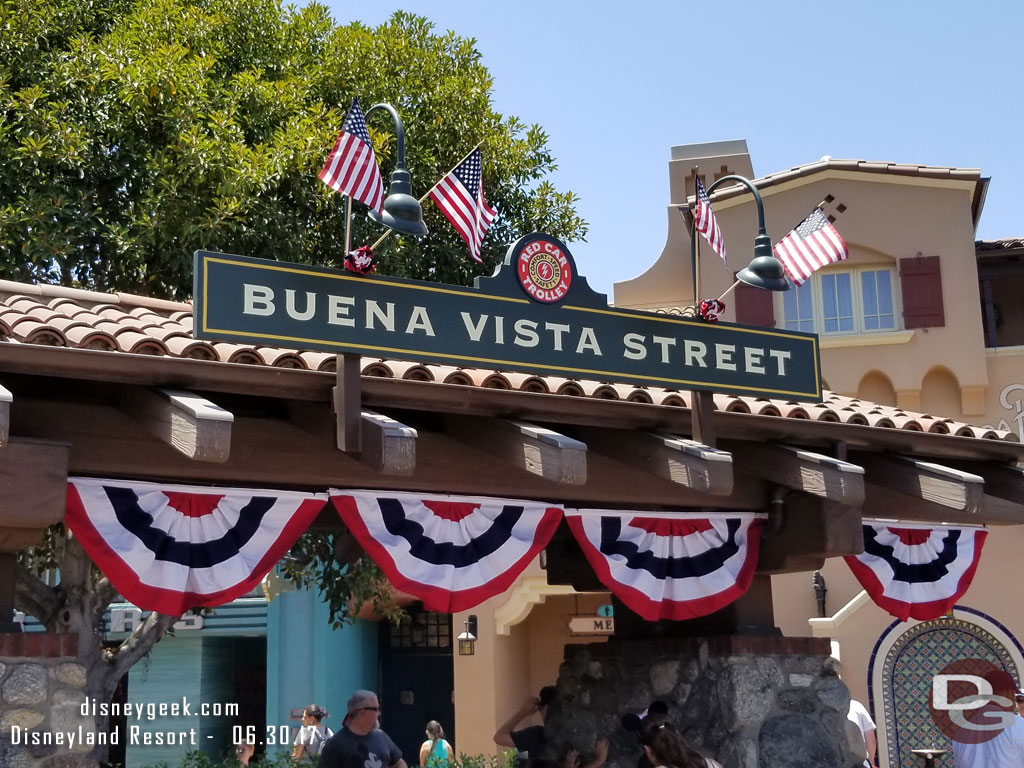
702	409
8	574
5	415
348	402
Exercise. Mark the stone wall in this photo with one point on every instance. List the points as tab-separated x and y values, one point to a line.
41	696
748	702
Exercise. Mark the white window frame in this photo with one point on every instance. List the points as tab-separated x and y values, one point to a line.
817	301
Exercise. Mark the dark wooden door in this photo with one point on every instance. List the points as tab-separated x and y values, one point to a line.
417	680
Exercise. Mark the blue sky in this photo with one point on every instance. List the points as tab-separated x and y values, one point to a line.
616	85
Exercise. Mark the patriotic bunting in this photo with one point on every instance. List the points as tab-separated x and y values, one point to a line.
451	552
917	572
171	548
670	566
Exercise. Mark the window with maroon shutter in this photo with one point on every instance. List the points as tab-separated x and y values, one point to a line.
921	284
754	306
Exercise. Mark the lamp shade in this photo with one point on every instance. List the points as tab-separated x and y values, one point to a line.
764	270
401	211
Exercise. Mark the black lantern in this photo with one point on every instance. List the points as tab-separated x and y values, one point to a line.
467	640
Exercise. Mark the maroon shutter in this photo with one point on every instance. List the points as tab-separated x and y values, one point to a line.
921	283
754	306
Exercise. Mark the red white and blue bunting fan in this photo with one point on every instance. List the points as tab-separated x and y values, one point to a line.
917	571
670	565
451	552
170	548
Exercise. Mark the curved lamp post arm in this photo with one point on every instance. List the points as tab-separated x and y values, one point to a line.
764	271
757	197
399	130
401	211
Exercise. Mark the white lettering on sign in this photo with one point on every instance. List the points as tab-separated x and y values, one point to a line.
669	349
127	619
592	625
1016	421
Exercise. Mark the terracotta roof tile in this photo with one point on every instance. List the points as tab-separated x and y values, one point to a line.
839	164
42	314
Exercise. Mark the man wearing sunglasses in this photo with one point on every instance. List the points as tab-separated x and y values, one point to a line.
360	743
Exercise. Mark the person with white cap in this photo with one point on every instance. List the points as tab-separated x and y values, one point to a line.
360	743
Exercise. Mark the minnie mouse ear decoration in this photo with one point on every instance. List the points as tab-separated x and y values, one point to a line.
360	260
711	310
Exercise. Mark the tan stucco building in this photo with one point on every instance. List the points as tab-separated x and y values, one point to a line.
921	318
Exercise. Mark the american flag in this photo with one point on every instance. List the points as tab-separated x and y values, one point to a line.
814	244
351	168
460	196
704	219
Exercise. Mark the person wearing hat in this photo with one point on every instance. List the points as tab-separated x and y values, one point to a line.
312	736
361	743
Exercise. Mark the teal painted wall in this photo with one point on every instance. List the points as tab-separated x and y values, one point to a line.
217	684
166	676
309	662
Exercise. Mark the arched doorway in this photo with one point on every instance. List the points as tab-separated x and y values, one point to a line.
903	663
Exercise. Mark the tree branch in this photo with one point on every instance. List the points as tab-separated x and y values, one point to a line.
139	642
105	594
34	597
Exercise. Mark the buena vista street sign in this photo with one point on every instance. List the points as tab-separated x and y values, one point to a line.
536	314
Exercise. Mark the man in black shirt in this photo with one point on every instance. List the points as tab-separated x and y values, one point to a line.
529	741
360	743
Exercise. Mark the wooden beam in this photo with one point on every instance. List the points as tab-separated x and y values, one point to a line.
538	450
948	487
885	504
33	489
6	398
190	424
269	451
347	396
88	365
702	410
1003	481
387	445
812	529
802	470
699	467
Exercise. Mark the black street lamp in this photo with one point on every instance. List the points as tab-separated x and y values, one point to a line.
401	211
764	271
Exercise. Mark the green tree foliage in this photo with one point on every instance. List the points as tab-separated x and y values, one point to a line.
134	133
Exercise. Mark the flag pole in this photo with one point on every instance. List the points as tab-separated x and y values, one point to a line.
348	224
384	237
695	248
729	290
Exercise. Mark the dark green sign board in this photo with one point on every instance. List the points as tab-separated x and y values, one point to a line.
535	314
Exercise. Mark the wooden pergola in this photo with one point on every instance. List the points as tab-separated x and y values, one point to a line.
111	413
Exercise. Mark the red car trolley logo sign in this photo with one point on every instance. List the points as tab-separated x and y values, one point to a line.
544	271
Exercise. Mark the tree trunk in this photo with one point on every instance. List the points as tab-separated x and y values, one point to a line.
76	605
